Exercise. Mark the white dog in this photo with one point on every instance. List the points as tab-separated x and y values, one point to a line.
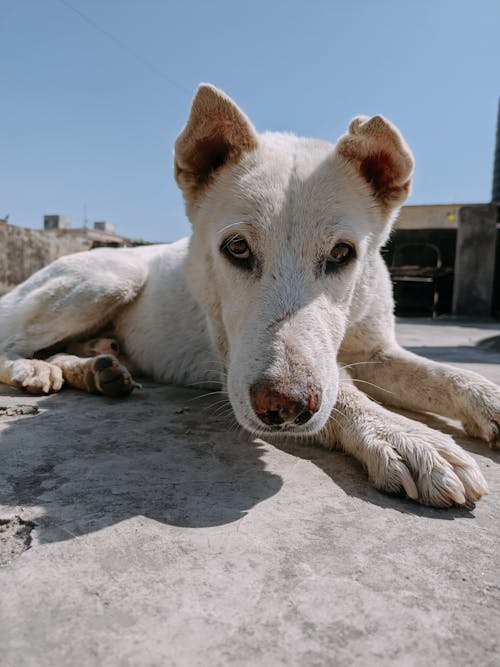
281	288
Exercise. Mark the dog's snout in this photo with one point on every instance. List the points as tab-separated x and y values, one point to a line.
275	407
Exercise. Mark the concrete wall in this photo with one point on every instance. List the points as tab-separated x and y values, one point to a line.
476	278
24	251
473	289
429	216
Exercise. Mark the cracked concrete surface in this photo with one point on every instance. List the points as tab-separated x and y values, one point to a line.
166	536
15	537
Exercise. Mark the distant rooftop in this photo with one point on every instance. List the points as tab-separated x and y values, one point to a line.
95	235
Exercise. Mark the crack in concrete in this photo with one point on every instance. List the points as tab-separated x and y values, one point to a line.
15	538
17	410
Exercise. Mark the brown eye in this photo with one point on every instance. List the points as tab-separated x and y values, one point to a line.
238	252
340	254
238	248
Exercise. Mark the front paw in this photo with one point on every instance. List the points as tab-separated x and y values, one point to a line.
107	376
36	376
481	413
425	464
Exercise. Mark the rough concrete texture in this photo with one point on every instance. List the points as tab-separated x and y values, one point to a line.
165	536
474	282
23	251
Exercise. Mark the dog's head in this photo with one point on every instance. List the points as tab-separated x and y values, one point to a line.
283	232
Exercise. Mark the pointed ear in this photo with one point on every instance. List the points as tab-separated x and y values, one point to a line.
217	132
377	150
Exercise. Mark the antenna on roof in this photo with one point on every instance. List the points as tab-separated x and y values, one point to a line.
85	219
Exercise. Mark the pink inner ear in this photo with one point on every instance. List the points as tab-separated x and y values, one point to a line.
378	170
210	153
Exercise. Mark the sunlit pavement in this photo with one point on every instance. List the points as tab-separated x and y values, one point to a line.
152	531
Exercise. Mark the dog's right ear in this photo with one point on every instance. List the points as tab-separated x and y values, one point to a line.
217	133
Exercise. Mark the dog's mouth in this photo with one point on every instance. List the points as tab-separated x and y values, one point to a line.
258	428
282	429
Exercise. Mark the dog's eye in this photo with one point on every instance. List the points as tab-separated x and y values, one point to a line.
238	252
238	248
340	254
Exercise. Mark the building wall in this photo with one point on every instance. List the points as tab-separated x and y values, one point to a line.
24	251
439	224
429	216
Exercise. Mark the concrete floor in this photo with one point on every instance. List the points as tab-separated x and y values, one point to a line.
162	535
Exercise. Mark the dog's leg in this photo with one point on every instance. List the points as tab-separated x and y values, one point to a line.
34	375
396	377
401	455
73	295
102	374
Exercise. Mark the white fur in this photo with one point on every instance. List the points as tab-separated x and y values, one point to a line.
183	311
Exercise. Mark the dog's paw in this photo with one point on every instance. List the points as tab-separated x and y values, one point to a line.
109	377
425	464
481	418
36	376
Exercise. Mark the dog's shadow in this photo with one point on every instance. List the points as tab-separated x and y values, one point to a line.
86	462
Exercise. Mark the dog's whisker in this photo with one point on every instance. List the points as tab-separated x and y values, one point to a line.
235	426
203	371
224	416
193	384
218	377
370	383
224	402
360	363
222	410
210	393
209	409
213	369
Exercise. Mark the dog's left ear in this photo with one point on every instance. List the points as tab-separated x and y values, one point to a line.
377	150
217	133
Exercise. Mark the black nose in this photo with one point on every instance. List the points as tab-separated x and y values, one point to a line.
274	407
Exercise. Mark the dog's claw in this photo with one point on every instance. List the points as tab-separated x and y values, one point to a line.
429	466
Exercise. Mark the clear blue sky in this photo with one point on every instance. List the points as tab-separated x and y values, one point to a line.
91	118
